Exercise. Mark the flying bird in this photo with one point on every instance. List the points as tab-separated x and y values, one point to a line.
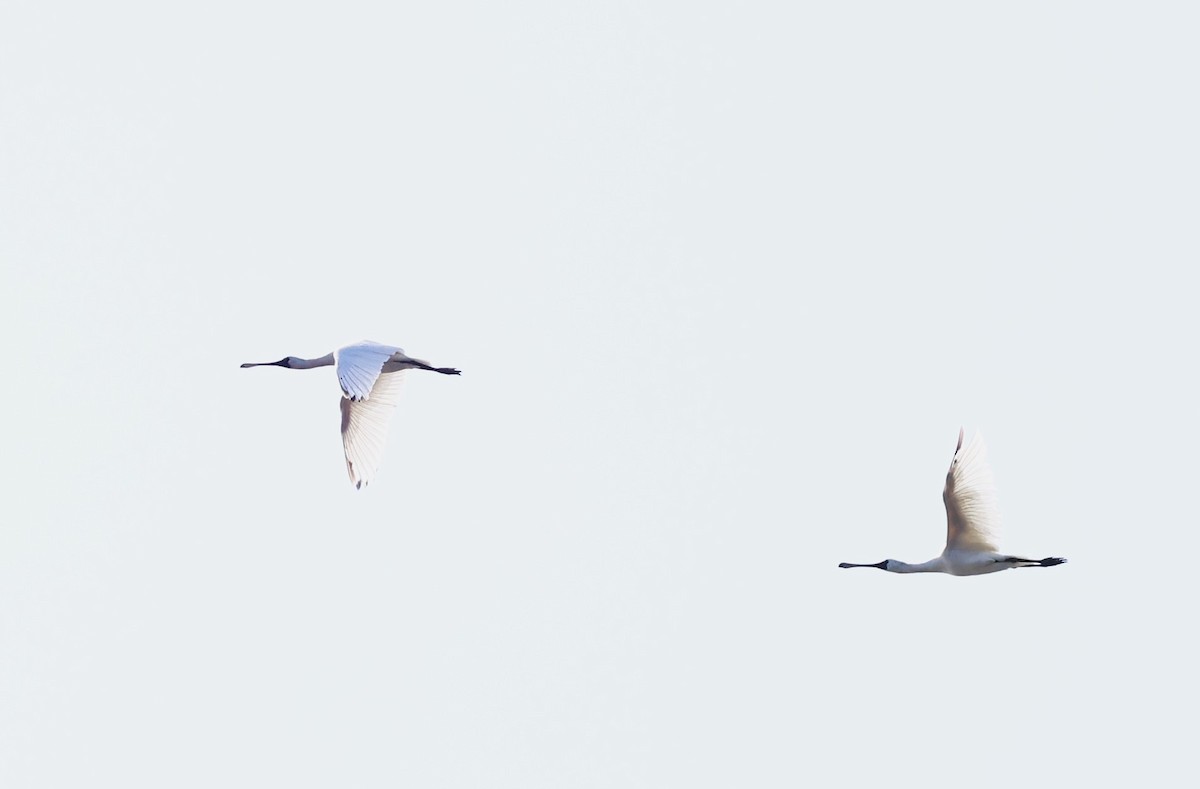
972	522
370	375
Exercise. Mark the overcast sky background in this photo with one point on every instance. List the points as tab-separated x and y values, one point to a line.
723	280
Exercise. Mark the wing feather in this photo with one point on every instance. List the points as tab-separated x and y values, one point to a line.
972	507
358	366
371	388
365	427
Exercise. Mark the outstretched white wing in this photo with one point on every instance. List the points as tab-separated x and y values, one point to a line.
370	397
972	510
358	366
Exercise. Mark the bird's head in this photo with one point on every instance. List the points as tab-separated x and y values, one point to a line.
879	565
284	362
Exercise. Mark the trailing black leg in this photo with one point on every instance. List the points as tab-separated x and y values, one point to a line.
1017	561
442	370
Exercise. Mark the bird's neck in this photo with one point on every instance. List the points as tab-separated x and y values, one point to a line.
308	364
931	566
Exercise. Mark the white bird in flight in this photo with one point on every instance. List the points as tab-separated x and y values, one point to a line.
972	522
370	375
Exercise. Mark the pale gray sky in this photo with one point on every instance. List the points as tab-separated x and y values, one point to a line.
724	280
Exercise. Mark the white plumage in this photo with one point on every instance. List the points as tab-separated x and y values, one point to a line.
371	376
972	509
972	522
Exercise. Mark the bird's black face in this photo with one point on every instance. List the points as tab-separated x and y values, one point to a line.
880	565
284	362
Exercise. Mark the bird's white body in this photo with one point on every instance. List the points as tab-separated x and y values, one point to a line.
972	522
957	563
370	375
